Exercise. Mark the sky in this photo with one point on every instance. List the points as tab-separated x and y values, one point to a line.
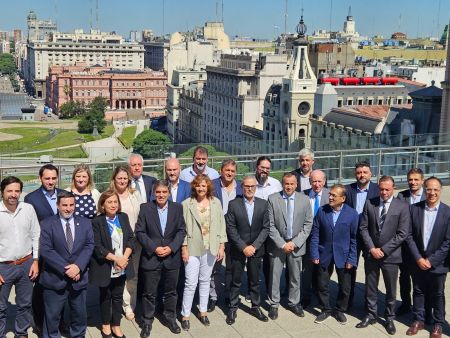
250	18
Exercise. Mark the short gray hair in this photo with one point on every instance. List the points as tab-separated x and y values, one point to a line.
248	177
306	152
135	155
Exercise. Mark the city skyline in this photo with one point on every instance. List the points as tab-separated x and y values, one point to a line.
413	17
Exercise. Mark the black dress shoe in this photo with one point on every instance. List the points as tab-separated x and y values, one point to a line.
273	313
366	322
297	310
211	305
116	336
104	335
173	326
256	311
204	320
231	316
390	327
146	329
185	324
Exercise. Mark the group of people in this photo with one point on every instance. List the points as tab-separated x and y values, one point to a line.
176	235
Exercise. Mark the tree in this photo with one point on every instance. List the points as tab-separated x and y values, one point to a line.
71	109
7	64
95	115
152	144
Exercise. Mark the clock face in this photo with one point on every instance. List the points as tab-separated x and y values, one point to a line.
303	108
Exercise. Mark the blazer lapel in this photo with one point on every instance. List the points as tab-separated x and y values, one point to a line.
194	211
329	216
282	206
244	210
78	234
60	232
44	201
436	226
154	210
105	229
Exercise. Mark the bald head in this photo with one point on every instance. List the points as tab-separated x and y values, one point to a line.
173	169
317	178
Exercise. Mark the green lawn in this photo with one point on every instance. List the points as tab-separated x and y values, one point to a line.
41	139
74	152
127	136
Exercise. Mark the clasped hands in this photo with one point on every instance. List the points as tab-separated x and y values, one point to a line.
163	251
73	272
377	253
424	263
288	247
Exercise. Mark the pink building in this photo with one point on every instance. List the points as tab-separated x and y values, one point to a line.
124	89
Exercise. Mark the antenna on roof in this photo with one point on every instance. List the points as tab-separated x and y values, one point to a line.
222	11
285	17
96	14
331	13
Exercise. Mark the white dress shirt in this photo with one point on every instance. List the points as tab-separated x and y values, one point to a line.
269	187
428	223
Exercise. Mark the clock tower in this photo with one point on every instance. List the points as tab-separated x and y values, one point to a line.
297	93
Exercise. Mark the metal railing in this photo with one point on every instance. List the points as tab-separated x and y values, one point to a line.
338	165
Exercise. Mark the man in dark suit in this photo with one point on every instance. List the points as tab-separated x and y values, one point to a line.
66	245
226	189
142	183
179	189
160	229
247	230
333	244
318	196
411	196
303	172
43	200
429	245
290	220
384	226
356	196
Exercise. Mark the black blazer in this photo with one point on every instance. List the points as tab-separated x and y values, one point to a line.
240	233
149	234
406	194
438	247
100	267
395	229
350	195
40	204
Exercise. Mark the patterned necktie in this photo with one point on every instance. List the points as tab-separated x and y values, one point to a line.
137	186
69	237
382	215
316	204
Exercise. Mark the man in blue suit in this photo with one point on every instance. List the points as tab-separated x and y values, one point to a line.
226	189
179	189
66	245
333	244
43	200
429	246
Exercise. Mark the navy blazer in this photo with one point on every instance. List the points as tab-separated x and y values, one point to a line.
395	230
350	195
335	242
40	203
100	267
406	194
53	249
218	189
183	191
437	251
149	234
148	184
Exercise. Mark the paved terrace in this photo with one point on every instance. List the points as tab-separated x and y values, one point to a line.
287	324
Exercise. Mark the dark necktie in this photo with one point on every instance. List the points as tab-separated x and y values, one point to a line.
69	237
382	215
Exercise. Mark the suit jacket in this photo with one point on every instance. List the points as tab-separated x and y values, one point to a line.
183	191
100	267
241	233
394	232
149	234
335	242
148	184
350	195
217	228
301	227
323	197
437	251
298	175
406	194
40	203
56	255
218	189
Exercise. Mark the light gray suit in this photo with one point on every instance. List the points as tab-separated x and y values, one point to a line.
301	227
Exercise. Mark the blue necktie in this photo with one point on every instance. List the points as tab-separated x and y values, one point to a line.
316	204
290	215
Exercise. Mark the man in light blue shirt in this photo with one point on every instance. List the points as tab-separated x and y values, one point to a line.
199	166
